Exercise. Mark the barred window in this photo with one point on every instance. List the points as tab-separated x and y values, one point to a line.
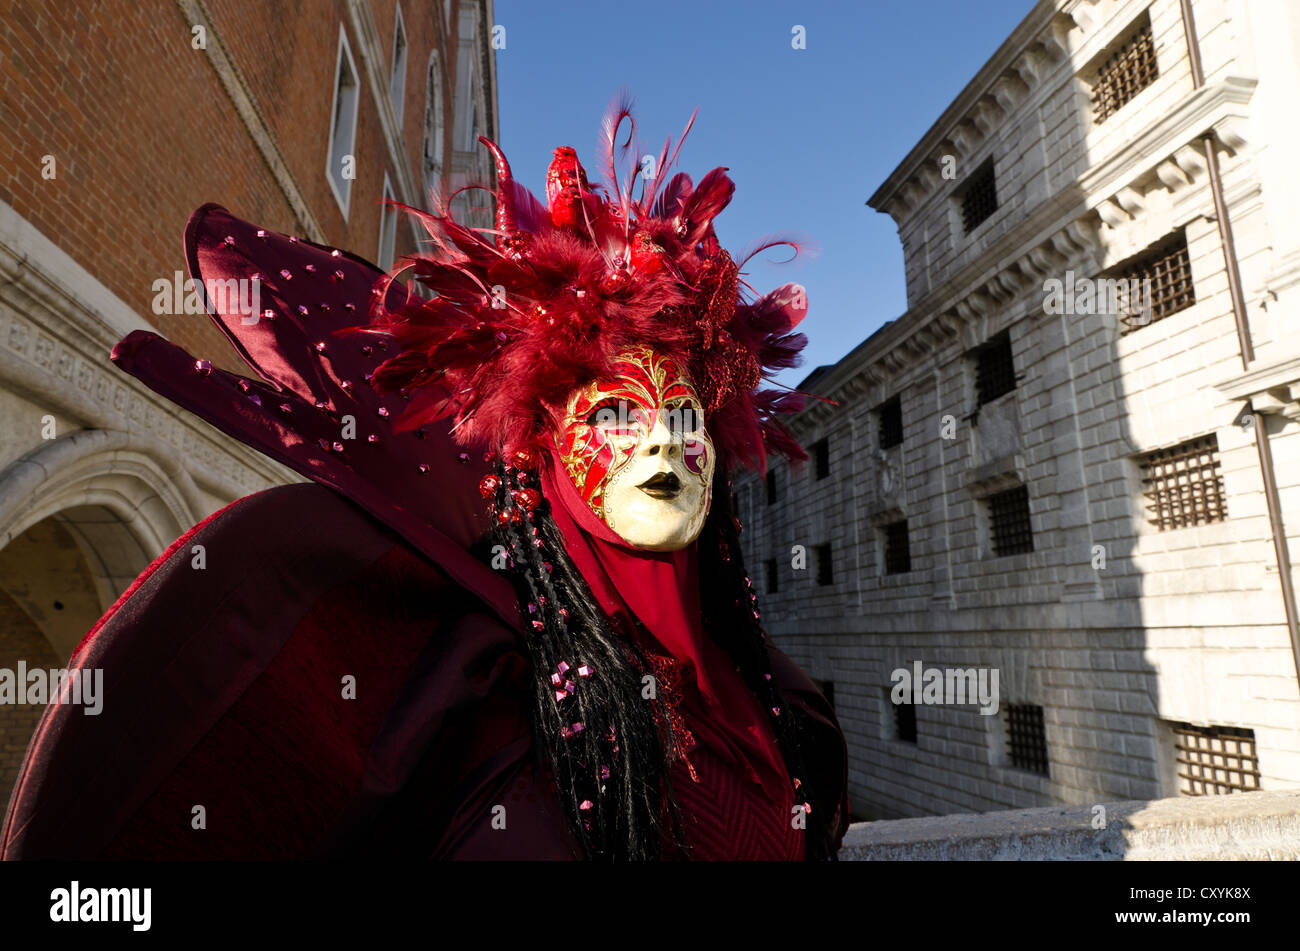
995	370
891	422
1184	484
769	569
979	197
1026	737
904	718
898	557
1009	525
771	486
1125	74
1215	760
1157	283
825	574
822	454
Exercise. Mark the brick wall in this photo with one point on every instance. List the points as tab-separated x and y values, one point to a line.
143	131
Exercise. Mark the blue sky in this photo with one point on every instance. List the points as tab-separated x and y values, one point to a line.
808	135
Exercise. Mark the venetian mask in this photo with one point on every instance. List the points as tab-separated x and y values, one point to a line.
637	451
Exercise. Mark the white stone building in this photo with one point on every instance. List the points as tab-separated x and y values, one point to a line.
1013	480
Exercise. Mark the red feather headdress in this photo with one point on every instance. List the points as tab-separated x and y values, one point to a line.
521	320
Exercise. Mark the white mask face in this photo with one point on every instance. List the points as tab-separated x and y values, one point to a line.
636	448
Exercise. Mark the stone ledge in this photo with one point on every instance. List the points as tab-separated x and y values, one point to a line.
1243	826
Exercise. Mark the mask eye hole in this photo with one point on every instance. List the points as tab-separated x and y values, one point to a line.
613	414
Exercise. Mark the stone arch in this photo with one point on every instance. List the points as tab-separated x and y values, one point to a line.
80	518
140	482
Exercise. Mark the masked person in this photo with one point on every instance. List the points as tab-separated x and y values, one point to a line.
509	617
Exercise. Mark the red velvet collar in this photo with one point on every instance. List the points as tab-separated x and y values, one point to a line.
661	591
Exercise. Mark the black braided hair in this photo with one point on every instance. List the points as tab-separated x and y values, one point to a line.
594	731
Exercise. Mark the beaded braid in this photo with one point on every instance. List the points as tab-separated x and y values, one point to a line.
730	609
594	730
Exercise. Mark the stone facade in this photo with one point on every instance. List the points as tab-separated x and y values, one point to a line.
121	120
1117	631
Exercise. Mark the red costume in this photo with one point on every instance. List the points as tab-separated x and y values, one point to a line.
347	674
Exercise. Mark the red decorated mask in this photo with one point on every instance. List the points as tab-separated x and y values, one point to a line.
636	448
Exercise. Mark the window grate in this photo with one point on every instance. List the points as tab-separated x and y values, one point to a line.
995	370
771	486
1215	760
825	573
1125	74
769	569
979	197
904	719
1184	484
898	556
1026	737
1009	523
822	454
1165	269
891	423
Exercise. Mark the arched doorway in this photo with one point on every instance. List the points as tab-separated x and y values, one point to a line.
79	520
56	579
